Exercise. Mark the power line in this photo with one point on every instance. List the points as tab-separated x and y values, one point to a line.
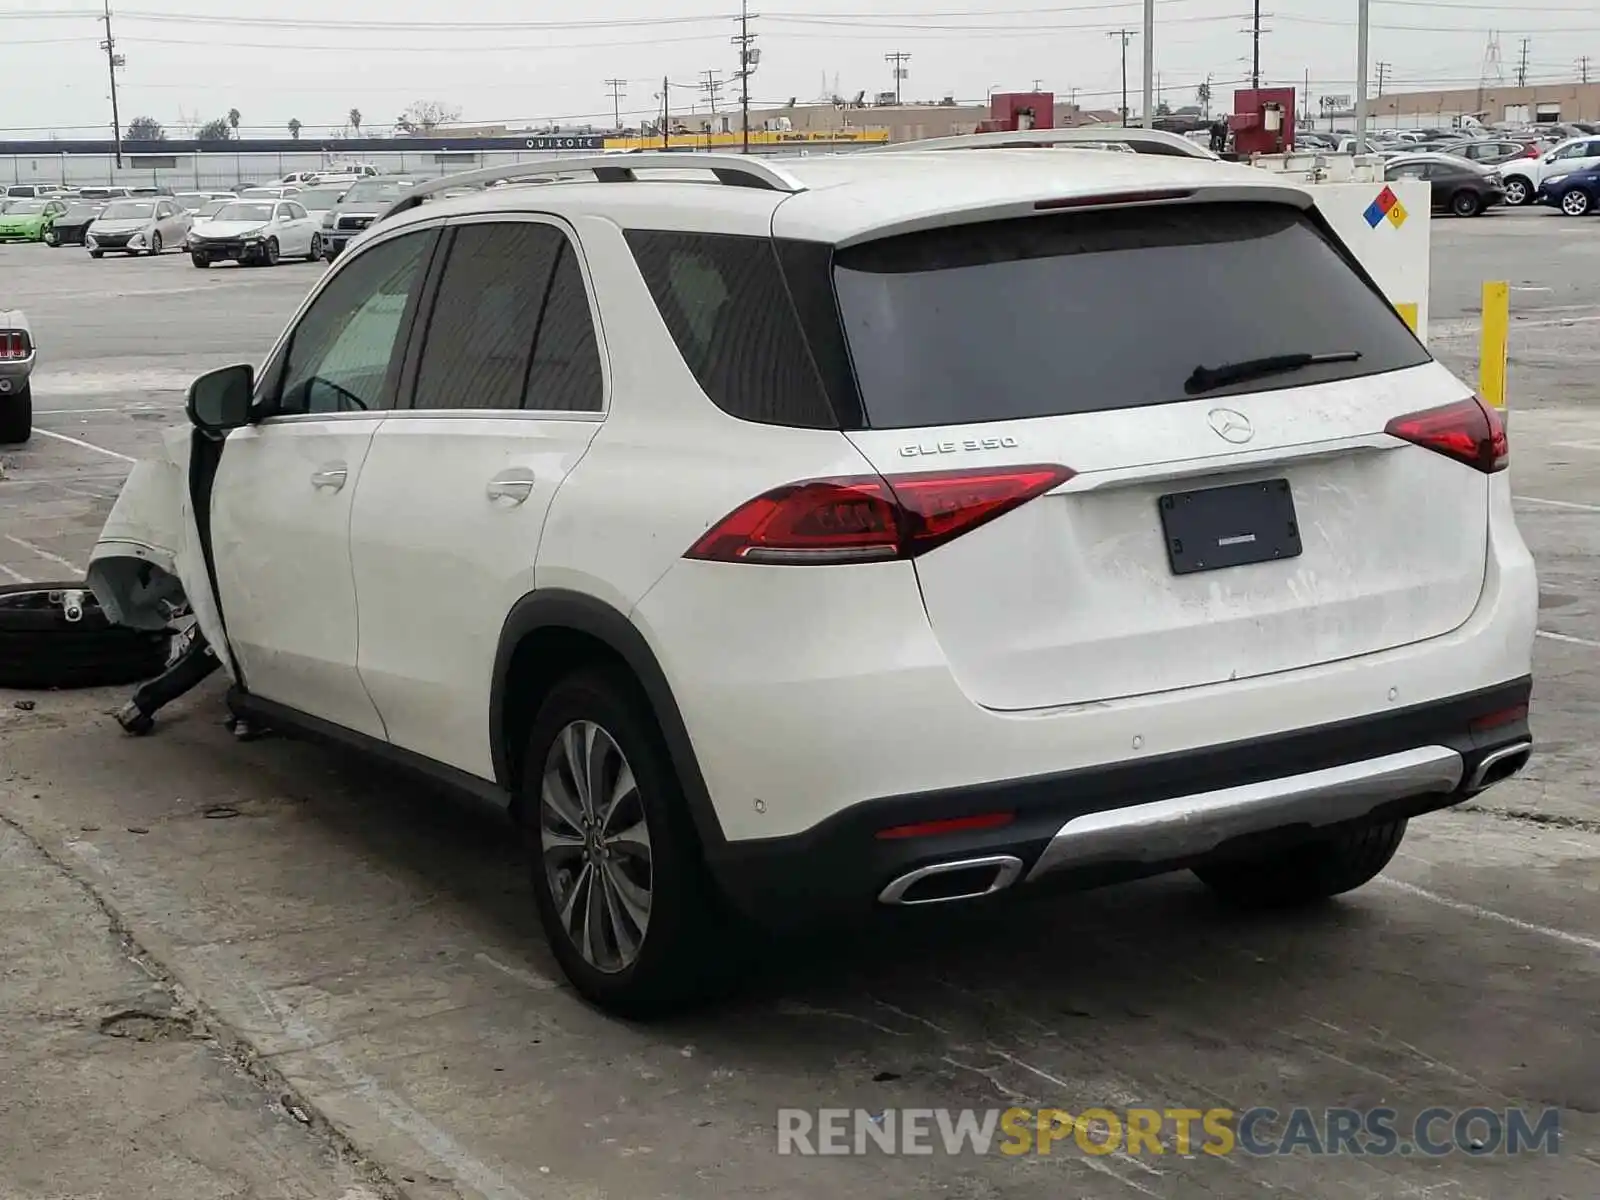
1127	36
618	88
899	58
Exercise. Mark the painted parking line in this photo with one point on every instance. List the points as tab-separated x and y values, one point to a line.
1489	914
47	555
1572	504
1569	639
61	437
14	576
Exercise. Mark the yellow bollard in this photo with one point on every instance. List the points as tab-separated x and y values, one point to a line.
1492	354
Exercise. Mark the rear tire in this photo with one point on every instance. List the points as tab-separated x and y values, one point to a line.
40	648
16	416
673	954
1306	874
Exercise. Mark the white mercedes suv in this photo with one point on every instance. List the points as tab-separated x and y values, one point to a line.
794	538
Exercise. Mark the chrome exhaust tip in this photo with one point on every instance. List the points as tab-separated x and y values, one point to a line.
961	879
1499	764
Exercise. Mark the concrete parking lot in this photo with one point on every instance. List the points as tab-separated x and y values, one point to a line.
336	988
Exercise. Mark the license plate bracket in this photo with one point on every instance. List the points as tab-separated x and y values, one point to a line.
1234	526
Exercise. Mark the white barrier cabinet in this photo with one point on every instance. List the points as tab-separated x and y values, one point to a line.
1385	224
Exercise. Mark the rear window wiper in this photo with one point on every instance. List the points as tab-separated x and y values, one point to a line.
1209	379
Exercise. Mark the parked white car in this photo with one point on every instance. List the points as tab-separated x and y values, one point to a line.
147	225
1524	175
256	233
842	538
18	354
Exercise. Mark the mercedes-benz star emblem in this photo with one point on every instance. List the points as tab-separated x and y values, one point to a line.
1230	425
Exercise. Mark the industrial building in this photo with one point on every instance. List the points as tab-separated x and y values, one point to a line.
1540	103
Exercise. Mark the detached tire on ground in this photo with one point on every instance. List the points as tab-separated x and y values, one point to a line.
1307	874
16	416
40	648
621	890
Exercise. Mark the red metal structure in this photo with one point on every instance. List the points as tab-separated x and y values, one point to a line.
1262	121
1012	111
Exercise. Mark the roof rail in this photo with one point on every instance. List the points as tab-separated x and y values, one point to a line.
1139	140
733	170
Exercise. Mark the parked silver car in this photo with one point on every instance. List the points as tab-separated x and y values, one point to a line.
145	226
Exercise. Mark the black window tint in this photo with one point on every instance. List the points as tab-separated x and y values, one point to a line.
724	301
344	352
1088	311
565	374
480	337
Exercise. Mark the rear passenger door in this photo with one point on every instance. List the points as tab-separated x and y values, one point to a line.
507	389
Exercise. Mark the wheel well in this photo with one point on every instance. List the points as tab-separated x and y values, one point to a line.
542	659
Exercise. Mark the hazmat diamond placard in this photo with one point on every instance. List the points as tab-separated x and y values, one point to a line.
1385	208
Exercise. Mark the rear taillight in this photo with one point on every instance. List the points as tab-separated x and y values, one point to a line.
1469	431
870	518
14	344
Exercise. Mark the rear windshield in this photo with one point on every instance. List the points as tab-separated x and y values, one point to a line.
1091	311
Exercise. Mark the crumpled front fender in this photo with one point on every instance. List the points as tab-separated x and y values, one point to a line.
148	557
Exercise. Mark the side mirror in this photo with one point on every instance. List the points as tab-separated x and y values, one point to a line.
220	400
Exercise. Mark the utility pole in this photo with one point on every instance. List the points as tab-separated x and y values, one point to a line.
899	58
666	113
749	56
710	85
1363	46
1583	67
1522	65
617	86
1149	63
1255	47
1305	104
1126	35
1383	73
113	61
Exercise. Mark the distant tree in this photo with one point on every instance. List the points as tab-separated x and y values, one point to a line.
424	116
215	130
294	128
1203	95
145	129
355	120
1163	109
233	120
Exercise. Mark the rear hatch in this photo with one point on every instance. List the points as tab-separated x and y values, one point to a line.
1074	339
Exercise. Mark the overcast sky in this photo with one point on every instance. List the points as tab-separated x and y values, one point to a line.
509	60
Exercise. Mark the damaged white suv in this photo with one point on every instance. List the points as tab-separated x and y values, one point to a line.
796	538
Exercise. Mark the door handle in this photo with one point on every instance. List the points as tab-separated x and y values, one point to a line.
331	476
515	486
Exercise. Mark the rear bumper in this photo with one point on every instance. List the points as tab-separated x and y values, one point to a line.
1105	824
16	370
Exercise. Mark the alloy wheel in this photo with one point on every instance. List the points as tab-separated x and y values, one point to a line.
1575	203
595	846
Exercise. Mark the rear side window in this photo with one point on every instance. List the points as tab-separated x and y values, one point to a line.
1091	311
510	327
724	300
